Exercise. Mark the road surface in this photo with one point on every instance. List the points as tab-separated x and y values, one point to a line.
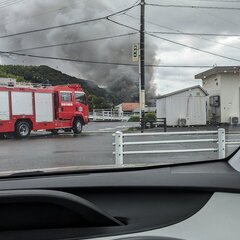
43	150
92	148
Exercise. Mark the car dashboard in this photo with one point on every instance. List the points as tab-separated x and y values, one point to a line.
189	201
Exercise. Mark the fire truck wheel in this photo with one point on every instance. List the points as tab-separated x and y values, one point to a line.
77	126
54	131
2	136
23	129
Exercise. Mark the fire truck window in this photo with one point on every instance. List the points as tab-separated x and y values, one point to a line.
81	97
66	97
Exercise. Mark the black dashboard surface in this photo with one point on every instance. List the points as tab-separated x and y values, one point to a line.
213	175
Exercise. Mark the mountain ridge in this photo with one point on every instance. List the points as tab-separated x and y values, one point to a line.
99	97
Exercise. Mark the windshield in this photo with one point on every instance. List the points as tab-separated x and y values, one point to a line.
81	97
106	84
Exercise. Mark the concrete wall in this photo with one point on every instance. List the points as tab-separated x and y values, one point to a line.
227	86
212	86
230	99
190	105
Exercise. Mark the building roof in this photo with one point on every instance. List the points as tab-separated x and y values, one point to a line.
147	109
127	107
216	70
183	90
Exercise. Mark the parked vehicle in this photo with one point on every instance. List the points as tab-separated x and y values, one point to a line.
26	108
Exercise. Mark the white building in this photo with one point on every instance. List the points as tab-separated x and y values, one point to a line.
223	87
7	81
184	107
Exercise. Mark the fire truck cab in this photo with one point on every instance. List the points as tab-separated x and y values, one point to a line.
51	108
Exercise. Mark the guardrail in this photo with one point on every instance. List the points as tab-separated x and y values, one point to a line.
119	144
107	114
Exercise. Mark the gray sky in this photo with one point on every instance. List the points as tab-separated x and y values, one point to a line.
34	14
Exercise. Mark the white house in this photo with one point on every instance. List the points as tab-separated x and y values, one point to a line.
183	107
223	87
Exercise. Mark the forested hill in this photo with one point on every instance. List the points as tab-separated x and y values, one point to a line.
99	97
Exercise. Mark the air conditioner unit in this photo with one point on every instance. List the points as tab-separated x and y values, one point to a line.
182	122
234	120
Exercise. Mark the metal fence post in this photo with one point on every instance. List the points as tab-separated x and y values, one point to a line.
119	148
165	124
221	143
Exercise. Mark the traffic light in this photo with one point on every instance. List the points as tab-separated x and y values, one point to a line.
135	52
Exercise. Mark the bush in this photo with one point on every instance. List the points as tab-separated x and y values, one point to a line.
134	119
150	117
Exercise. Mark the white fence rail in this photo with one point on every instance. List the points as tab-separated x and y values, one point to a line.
108	114
119	144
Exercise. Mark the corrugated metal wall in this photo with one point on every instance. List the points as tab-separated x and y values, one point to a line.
189	105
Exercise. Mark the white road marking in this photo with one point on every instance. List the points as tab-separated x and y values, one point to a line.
113	128
106	129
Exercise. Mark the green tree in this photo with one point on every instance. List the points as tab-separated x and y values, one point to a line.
150	117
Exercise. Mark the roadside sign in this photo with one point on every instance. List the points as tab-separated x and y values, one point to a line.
135	52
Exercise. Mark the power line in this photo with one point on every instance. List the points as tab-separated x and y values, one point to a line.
194	7
103	62
46	12
178	66
197	34
123	25
199	37
66	59
193	35
152	23
2	3
215	15
9	3
69	24
194	48
218	1
75	42
41	13
181	44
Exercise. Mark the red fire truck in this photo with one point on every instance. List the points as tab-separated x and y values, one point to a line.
25	108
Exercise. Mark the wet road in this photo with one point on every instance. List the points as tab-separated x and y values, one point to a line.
43	150
93	147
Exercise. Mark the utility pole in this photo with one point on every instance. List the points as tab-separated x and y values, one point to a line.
142	64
